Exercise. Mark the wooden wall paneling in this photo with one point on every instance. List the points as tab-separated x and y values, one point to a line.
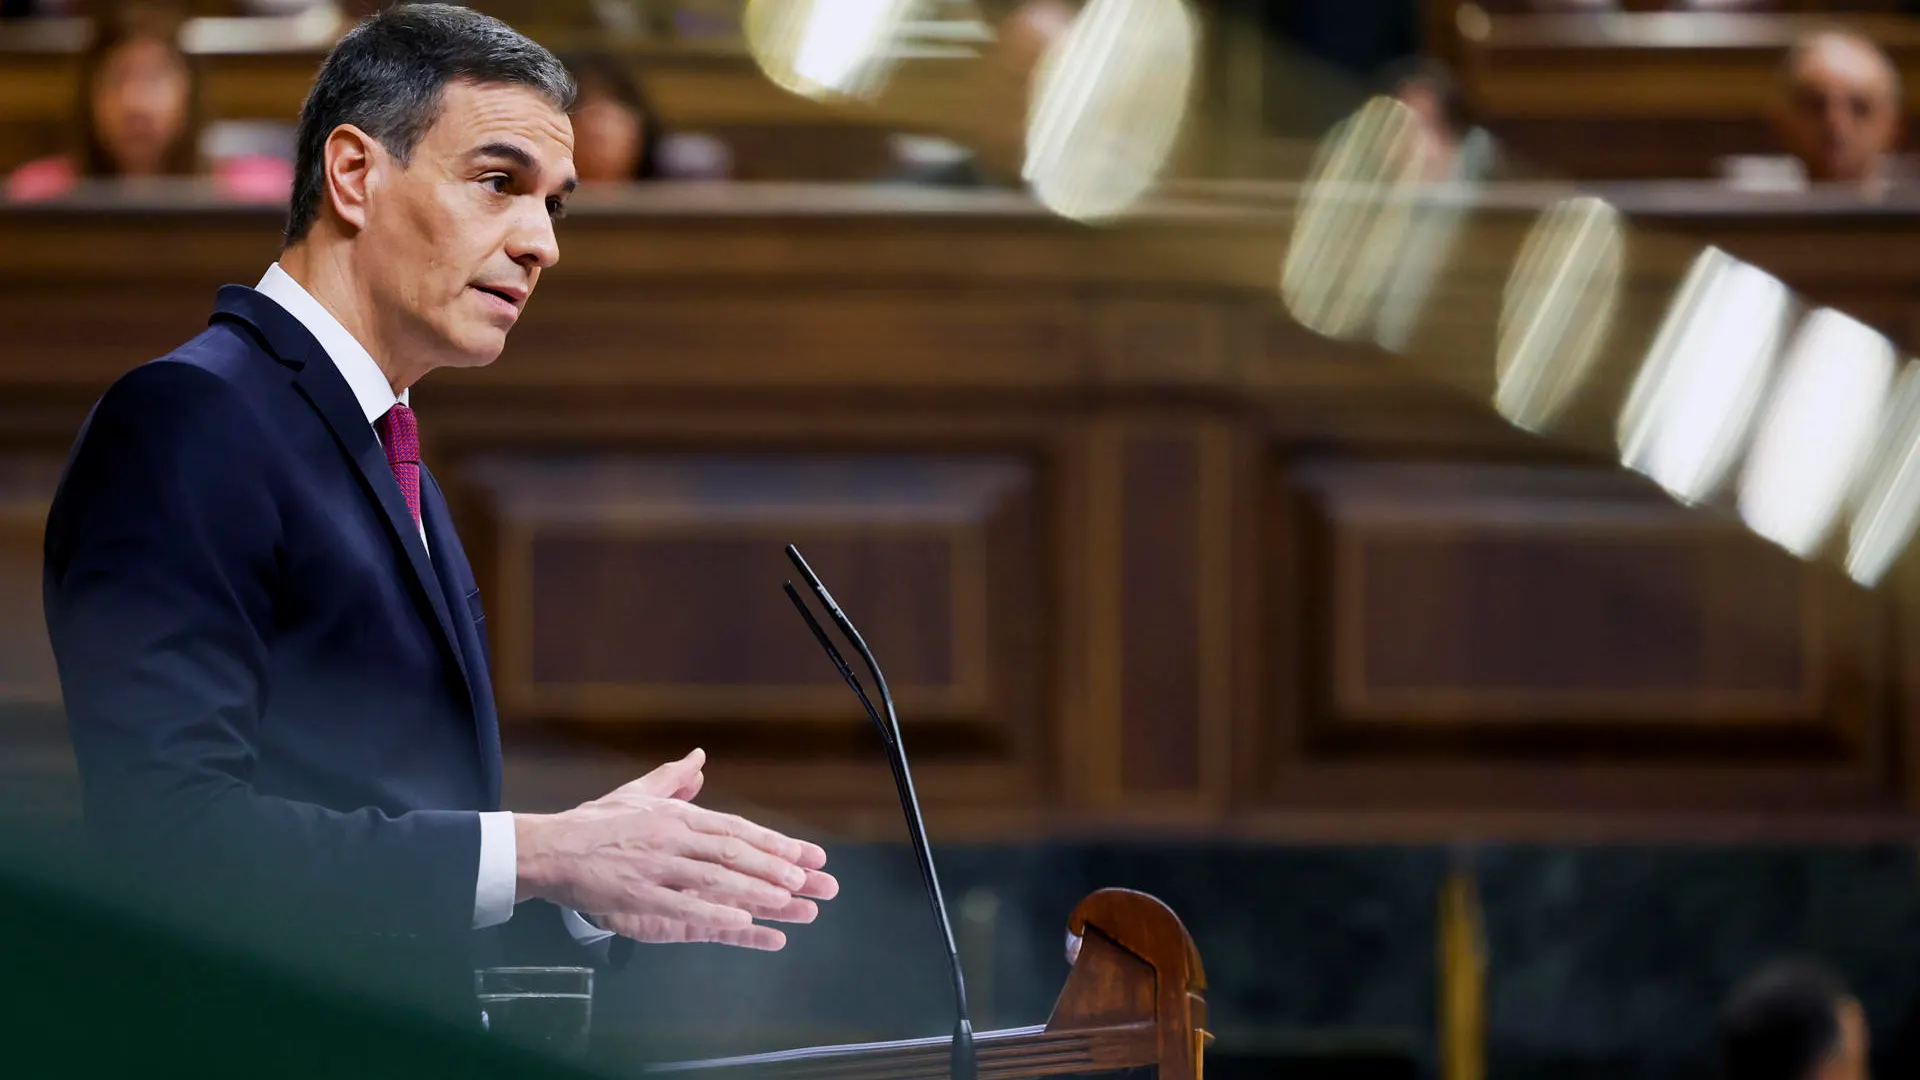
1508	640
1159	580
589	333
27	673
1611	148
1093	757
1562	603
798	326
1902	584
640	593
1160	617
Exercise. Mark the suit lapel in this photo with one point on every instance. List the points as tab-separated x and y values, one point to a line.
449	564
323	386
321	383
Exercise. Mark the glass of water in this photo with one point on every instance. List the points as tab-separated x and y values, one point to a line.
545	1008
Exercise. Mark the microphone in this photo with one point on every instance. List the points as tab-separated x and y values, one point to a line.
961	1063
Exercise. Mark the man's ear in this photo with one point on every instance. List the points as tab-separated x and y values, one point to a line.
352	165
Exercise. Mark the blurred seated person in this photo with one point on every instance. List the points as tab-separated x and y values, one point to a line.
1452	146
138	117
1839	119
1793	1021
619	137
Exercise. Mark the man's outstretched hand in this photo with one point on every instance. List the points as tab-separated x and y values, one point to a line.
652	866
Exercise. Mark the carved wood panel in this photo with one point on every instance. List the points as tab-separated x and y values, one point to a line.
644	590
1526	622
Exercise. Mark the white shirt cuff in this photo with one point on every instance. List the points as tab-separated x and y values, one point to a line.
583	931
493	894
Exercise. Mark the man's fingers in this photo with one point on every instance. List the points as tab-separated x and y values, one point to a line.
712	881
690	788
737	854
661	930
820	885
798	852
763	938
795	910
696	912
811	857
674	780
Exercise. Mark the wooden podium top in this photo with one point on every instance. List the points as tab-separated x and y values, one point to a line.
1133	999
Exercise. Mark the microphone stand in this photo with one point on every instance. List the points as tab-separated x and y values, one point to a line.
961	1063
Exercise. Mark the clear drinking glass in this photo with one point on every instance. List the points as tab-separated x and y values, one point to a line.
546	1008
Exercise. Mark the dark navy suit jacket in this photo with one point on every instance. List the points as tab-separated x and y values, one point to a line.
276	697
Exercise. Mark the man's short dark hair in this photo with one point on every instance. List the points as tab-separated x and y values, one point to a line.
387	76
1782	1023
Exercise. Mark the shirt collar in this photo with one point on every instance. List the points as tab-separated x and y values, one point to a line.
369	384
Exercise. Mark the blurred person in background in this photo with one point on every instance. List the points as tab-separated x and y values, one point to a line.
620	136
1452	146
138	116
1793	1021
1839	118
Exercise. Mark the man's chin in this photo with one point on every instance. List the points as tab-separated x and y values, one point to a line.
478	352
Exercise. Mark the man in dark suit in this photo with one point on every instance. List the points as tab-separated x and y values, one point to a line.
270	642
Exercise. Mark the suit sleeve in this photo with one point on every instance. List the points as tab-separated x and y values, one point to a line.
161	580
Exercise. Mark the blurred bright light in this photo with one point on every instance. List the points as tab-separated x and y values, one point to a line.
1816	432
1889	504
1695	396
1352	219
1109	99
1557	309
825	48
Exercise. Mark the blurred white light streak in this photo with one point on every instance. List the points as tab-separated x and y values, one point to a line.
1352	220
1695	396
826	48
1816	431
1557	309
841	36
1109	100
1889	503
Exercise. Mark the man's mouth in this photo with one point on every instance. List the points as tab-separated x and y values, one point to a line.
513	296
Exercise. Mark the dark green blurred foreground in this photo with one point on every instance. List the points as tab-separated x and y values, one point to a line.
91	987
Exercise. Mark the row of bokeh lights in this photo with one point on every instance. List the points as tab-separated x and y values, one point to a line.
1811	400
1804	411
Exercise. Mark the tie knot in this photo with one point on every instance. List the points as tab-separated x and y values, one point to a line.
400	434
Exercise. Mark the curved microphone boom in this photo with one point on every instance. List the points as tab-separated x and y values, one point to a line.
962	1061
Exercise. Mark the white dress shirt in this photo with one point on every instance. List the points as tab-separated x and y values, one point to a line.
494	891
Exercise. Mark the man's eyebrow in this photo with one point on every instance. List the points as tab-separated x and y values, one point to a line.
511	153
505	152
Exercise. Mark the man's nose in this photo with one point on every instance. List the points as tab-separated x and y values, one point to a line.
532	243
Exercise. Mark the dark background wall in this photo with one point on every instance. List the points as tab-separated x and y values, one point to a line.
1602	962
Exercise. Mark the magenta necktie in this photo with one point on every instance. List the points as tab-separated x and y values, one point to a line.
401	436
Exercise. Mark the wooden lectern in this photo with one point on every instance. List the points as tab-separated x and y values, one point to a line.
1133	1000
